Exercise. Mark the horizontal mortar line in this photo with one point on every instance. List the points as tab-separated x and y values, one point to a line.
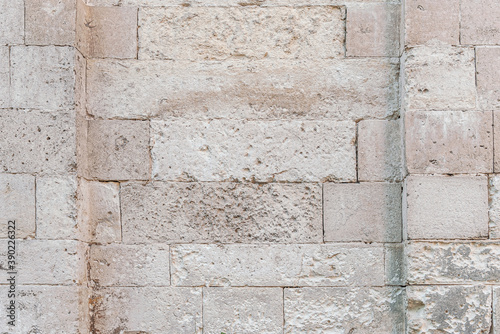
454	284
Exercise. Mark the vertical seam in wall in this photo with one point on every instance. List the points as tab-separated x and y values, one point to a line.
460	22
137	35
202	315
323	211
120	206
36	209
356	141
493	140
283	307
9	55
475	72
24	23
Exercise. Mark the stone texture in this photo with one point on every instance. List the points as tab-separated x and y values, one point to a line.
488	72
369	212
395	264
380	154
344	310
444	207
165	310
42	77
222	150
277	265
480	22
496	309
36	142
225	3
248	31
449	142
50	22
221	212
449	309
439	77
243	310
427	21
494	206
118	150
373	30
17	203
4	77
335	89
11	22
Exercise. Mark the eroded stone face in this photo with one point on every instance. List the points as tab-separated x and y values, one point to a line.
480	22
50	22
11	21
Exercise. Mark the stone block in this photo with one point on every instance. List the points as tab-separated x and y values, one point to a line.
12	22
496	309
4	77
243	310
449	142
444	207
395	264
480	22
488	72
231	3
221	212
494	206
50	22
369	212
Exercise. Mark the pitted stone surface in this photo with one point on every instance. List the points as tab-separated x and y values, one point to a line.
17	203
11	22
4	77
480	22
226	3
488	72
50	22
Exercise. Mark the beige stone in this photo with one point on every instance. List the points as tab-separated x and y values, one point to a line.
118	150
488	72
494	206
449	142
480	22
225	3
439	77
369	212
496	309
449	309
242	89
344	310
17	204
50	22
428	21
277	265
243	310
221	212
224	150
4	77
395	264
11	21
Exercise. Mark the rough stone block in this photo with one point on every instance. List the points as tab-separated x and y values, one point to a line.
277	265
449	142
17	203
42	77
224	150
118	150
488	72
344	310
480	22
50	22
221	212
369	212
12	21
494	209
496	309
4	77
243	310
444	207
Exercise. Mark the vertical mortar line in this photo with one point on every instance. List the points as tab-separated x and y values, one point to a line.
460	22
356	139
150	146
137	35
170	264
121	220
323	210
202	304
493	136
492	325
283	306
24	22
475	72
36	209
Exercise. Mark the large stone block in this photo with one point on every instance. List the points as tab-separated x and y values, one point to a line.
221	212
242	89
4	77
344	310
244	31
480	22
12	21
369	212
226	150
50	22
277	265
488	72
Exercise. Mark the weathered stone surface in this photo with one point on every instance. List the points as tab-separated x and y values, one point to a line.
36	142
427	21
453	263
277	265
373	30
439	77
11	21
480	22
488	72
243	310
369	212
449	142
42	77
336	89
225	3
221	212
449	309
130	265
444	207
17	203
118	150
221	150
344	310
166	310
50	22
494	206
496	309
380	155
395	264
4	77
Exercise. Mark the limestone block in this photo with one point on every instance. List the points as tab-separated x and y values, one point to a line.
496	309
347	89
449	142
221	212
369	212
429	21
223	150
243	310
480	22
449	309
439	77
4	77
42	77
118	150
494	206
130	265
444	207
395	264
344	310
50	22
37	142
17	203
163	310
12	21
277	265
373	30
488	72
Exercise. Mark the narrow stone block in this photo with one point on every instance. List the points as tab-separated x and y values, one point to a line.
496	309
4	77
494	206
395	264
50	22
12	22
488	72
480	22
